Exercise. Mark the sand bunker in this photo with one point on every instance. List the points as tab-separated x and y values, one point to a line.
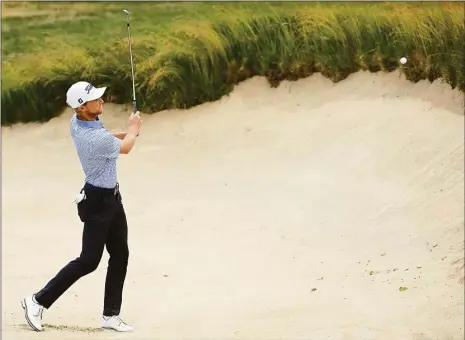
290	213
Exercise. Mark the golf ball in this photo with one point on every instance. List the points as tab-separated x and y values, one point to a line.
403	60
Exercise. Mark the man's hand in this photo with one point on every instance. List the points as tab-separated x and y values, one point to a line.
134	123
121	135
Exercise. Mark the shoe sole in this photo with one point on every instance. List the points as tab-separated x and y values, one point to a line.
24	305
117	330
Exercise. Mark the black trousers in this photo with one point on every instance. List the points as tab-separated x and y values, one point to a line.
104	225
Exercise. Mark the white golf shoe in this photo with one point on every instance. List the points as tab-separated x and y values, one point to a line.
115	322
33	313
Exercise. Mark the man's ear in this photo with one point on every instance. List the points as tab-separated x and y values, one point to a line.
80	109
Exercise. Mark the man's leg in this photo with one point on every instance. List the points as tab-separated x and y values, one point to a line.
117	247
96	224
93	242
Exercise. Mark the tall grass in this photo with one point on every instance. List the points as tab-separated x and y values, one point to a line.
199	61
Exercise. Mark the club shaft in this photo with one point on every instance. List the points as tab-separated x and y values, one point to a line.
132	66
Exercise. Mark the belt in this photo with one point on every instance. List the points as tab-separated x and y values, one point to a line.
112	191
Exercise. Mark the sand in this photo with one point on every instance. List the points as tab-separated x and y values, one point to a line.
289	213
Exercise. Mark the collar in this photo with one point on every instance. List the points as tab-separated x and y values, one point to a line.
96	124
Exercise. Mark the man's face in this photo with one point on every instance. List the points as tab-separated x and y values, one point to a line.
92	108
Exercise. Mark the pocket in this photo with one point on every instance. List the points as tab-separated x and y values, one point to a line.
82	210
85	207
96	208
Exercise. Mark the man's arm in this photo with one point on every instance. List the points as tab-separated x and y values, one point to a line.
119	135
129	139
109	145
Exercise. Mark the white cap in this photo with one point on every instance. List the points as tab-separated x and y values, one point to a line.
82	92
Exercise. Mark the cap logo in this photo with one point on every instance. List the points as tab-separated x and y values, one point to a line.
80	101
88	88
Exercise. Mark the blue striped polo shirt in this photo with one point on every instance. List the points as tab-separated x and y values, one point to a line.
98	151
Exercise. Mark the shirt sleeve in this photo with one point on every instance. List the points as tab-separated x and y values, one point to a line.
106	145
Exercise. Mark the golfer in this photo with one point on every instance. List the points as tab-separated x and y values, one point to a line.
99	207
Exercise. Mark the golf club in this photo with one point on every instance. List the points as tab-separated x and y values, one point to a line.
134	107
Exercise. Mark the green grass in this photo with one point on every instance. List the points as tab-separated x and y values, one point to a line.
189	53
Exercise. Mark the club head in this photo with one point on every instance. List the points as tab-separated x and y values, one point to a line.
126	11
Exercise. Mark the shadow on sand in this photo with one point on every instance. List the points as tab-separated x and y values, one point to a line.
65	328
